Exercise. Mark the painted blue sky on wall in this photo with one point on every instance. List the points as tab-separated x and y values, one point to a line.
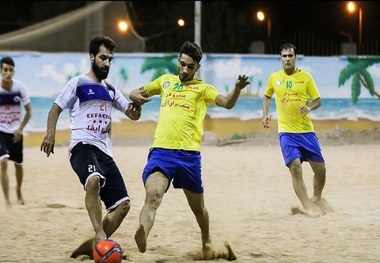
45	74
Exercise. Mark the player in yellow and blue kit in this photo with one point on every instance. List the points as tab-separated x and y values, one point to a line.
175	154
296	95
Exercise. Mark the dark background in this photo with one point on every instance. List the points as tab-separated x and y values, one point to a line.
226	26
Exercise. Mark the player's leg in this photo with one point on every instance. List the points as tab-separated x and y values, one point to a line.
94	205
5	180
196	203
113	219
299	187
319	178
19	169
155	187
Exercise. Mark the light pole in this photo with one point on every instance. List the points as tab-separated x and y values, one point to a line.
351	7
197	19
261	17
360	27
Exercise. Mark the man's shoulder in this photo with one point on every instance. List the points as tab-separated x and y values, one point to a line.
163	80
276	73
168	76
17	82
303	73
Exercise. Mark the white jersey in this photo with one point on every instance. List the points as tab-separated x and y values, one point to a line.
90	107
10	106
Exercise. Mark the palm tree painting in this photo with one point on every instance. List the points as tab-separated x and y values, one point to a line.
123	75
249	92
160	65
357	70
72	75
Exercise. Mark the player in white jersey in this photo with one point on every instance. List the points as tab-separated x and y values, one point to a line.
90	100
13	95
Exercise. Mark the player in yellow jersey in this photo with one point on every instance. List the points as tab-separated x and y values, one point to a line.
175	154
296	95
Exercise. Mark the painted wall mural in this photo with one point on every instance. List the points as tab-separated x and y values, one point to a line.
349	86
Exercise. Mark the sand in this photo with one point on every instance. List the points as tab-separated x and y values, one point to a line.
248	195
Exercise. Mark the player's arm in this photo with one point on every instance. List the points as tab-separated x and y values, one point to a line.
139	96
27	116
266	117
25	120
315	104
48	142
230	101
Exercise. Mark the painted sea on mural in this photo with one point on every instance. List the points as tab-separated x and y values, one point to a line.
246	109
349	86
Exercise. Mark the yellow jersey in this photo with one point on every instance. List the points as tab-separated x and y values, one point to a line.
292	92
182	111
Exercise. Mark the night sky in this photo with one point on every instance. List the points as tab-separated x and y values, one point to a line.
326	18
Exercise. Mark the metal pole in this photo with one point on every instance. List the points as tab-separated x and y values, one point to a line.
197	27
360	28
197	19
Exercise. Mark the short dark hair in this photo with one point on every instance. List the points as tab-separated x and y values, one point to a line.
96	42
191	49
288	46
7	60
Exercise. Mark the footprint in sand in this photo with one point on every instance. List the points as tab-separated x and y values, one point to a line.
55	206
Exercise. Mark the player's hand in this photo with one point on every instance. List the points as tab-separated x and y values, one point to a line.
304	110
47	145
17	135
241	82
139	96
134	111
266	121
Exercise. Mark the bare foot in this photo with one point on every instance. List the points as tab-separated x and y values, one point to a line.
85	248
208	253
324	206
310	213
20	200
230	255
140	239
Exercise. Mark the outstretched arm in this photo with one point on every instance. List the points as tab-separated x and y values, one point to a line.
229	101
47	145
139	96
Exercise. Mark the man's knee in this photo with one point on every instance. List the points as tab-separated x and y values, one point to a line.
124	207
93	183
153	199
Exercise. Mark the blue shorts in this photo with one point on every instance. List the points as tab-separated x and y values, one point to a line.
182	168
88	160
304	146
9	149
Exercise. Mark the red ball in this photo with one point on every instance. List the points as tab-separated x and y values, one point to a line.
107	251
